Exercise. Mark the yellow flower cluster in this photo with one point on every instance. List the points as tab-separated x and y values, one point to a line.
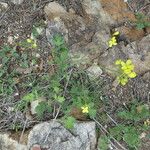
127	71
147	122
85	109
32	42
113	41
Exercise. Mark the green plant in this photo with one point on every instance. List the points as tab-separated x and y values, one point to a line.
136	113
103	143
16	127
7	56
129	134
42	108
66	91
69	122
67	87
26	100
132	125
142	21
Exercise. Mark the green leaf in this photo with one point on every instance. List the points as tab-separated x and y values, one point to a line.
60	99
92	112
5	60
132	139
58	40
56	89
35	32
42	108
117	131
69	122
147	24
140	25
103	143
30	97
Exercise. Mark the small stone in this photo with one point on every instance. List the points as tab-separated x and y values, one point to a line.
143	135
54	9
3	5
146	76
91	6
54	27
17	2
37	55
94	71
10	40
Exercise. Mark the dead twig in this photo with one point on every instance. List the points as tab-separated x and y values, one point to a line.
22	132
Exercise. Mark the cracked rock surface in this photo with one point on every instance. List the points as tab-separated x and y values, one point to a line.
53	136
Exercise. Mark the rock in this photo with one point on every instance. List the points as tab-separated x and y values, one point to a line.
17	2
6	143
108	58
118	10
3	6
10	39
131	33
94	7
138	52
79	59
55	27
86	36
94	71
146	77
91	6
82	137
101	38
54	9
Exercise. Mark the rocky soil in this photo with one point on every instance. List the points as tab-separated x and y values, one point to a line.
86	26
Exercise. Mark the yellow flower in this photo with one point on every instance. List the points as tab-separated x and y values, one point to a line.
128	62
116	33
29	40
112	42
127	68
85	109
118	62
132	75
34	45
127	71
123	80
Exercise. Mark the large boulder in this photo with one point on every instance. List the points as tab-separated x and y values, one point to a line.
53	136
